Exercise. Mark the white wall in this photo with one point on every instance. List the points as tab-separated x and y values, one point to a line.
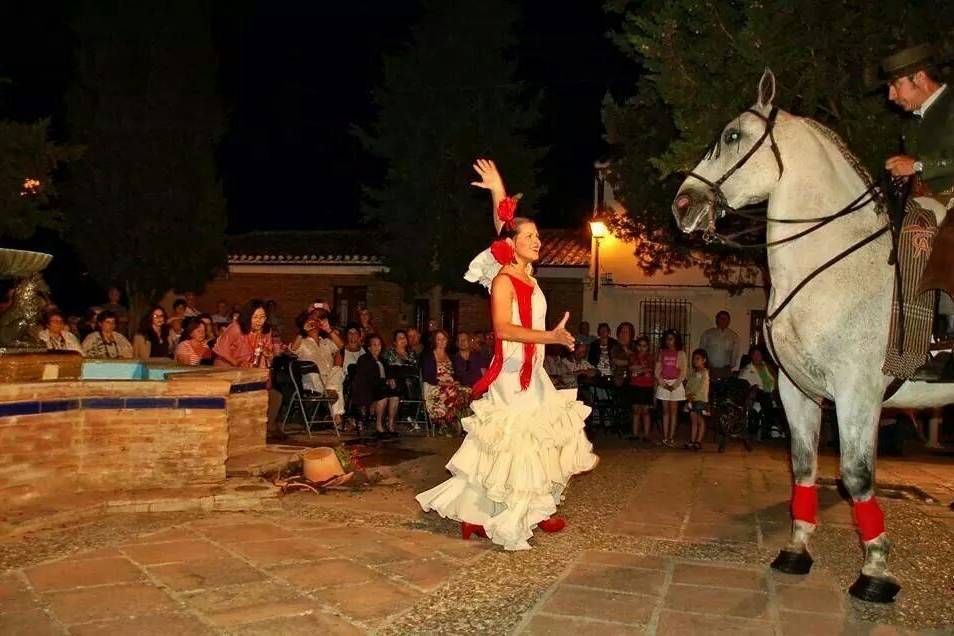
620	300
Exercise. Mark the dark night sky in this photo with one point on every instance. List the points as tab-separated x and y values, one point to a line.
297	75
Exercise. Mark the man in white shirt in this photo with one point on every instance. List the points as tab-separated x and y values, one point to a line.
721	345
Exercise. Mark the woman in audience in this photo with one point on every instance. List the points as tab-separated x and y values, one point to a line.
371	391
56	336
352	349
152	338
621	352
318	344
106	342
670	372
248	342
469	365
443	395
641	383
193	348
599	355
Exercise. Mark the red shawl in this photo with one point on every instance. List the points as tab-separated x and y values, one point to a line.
524	293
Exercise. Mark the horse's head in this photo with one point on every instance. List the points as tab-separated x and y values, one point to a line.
740	169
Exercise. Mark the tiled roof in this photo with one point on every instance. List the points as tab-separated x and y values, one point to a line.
561	248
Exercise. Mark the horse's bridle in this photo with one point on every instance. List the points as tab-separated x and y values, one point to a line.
720	207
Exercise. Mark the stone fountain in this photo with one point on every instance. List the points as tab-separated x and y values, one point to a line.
20	270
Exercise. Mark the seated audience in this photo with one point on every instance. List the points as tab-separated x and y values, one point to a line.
106	342
760	375
469	365
371	392
352	349
175	321
249	341
193	348
152	338
401	365
317	346
366	323
414	341
55	334
444	397
113	296
600	348
222	315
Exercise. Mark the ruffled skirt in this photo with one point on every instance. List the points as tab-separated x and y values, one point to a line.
512	467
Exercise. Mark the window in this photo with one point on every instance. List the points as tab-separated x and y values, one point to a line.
450	317
348	302
661	314
422	313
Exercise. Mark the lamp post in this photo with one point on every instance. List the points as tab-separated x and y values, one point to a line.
598	231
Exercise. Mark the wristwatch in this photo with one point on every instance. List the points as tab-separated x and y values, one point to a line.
918	167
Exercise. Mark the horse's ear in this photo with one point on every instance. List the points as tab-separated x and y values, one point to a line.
766	88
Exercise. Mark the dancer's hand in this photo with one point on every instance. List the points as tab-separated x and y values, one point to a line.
560	336
490	179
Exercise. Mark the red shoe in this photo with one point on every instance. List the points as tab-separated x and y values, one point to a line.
467	529
553	524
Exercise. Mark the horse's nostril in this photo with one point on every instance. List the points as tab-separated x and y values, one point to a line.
682	202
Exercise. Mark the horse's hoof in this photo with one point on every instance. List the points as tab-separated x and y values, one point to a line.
873	590
793	562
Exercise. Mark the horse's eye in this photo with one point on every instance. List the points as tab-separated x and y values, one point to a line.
732	136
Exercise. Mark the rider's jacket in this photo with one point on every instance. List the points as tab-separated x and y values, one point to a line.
930	140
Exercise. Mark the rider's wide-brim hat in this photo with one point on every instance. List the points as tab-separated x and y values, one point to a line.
908	61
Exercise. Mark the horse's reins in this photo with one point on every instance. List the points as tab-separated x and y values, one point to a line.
721	207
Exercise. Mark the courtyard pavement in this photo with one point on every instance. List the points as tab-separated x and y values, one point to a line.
658	542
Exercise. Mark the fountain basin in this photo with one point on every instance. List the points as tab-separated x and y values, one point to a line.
21	263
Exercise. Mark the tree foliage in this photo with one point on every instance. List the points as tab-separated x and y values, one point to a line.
449	97
701	60
146	207
28	160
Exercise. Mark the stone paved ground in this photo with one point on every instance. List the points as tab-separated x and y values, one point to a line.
659	542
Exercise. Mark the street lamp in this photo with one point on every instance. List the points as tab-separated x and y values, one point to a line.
598	231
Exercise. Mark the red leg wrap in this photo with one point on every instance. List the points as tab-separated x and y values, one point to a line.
805	504
869	518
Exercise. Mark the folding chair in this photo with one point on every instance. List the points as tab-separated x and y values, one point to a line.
308	403
413	408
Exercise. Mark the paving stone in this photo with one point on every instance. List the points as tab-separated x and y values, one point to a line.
680	623
14	595
173	551
310	625
718	576
376	553
260	531
717	600
100	603
167	534
62	575
546	625
101	553
34	622
151	625
817	577
799	624
466	550
647	530
729	532
193	575
325	573
334	537
654	516
620	579
425	574
282	551
235	604
369	602
613	606
809	599
623	559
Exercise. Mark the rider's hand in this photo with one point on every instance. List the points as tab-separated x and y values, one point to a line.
560	336
489	177
900	165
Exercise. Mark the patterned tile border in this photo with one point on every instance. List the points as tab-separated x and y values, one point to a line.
12	409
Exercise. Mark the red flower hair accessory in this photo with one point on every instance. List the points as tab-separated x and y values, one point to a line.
506	210
502	251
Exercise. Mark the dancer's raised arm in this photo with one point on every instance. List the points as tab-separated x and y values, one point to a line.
501	312
491	180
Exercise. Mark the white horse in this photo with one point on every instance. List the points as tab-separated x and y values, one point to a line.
829	334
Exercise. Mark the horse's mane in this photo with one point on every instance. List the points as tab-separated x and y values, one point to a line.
842	148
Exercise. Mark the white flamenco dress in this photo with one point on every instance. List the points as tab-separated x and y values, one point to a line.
522	445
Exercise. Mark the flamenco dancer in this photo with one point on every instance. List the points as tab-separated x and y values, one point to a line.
525	439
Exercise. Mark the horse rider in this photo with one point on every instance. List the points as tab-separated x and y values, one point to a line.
914	85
